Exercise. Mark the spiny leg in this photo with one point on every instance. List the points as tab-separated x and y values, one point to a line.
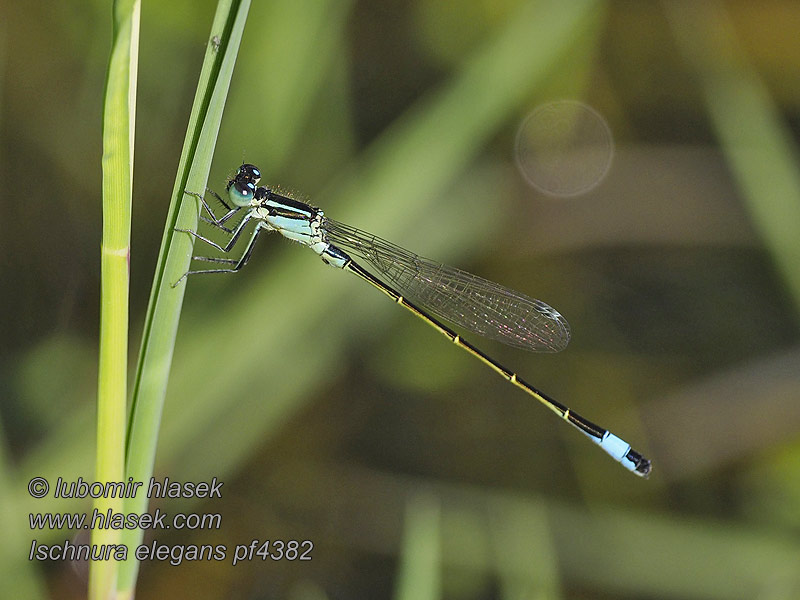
214	259
238	264
217	222
231	242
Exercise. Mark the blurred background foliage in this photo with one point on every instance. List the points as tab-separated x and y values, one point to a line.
332	415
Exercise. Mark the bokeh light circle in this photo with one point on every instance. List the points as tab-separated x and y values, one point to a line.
564	148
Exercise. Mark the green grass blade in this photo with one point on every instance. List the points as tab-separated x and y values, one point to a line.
420	563
119	118
757	144
163	312
523	543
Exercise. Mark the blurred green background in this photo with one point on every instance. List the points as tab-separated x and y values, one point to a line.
334	416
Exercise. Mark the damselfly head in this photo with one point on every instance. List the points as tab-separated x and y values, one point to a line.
248	173
242	186
245	174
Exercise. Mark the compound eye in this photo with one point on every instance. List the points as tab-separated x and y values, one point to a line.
241	193
249	173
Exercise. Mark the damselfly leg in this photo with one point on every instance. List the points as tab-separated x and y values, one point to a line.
217	222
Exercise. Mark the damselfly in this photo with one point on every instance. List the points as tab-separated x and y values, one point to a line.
426	288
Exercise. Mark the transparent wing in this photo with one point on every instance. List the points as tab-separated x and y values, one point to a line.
481	306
